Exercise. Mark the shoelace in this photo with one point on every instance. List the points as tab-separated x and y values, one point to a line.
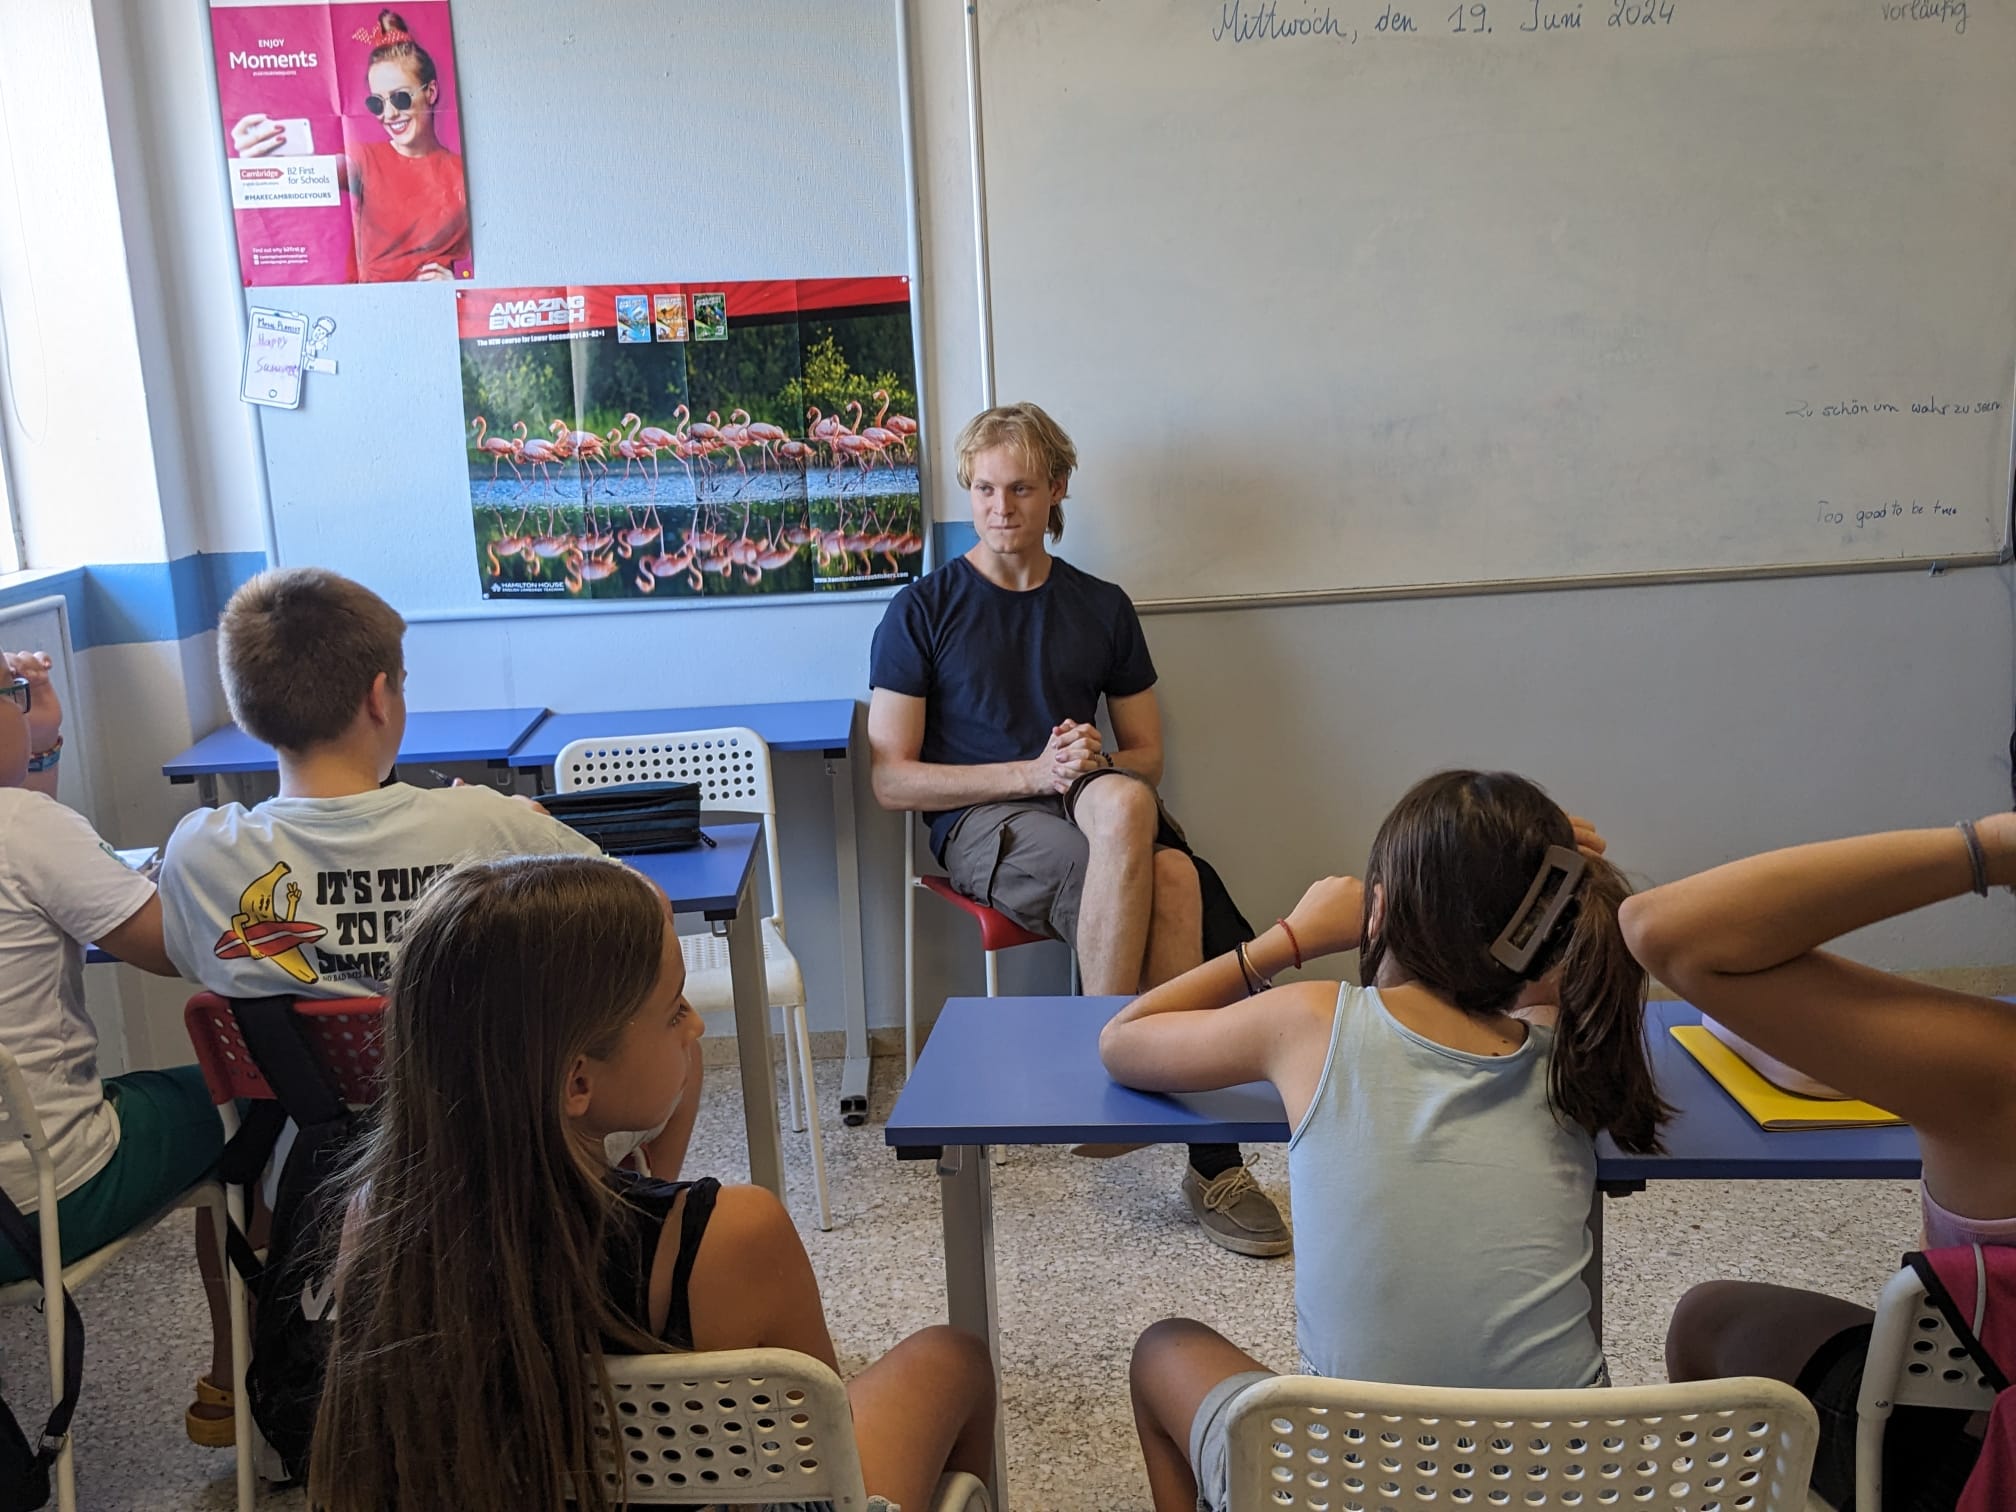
1221	1191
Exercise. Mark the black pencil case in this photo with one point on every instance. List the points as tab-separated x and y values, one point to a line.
633	818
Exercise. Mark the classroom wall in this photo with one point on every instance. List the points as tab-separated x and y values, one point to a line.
1694	722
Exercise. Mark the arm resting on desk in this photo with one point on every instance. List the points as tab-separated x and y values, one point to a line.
1741	942
1201	1031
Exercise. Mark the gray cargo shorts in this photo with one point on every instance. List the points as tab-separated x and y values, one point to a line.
1025	858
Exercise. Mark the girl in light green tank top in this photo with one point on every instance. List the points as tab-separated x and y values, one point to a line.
1443	1160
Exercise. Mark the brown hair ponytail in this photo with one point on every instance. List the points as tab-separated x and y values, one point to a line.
1453	862
1602	1077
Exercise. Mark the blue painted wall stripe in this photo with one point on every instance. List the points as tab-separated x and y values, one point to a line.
132	603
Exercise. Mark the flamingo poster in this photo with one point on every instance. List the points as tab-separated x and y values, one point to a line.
691	440
343	141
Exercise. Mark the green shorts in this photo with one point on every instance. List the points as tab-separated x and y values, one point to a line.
169	1138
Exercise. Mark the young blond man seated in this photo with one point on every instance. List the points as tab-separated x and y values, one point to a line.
987	679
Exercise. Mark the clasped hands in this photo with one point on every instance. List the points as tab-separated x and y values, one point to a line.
1074	748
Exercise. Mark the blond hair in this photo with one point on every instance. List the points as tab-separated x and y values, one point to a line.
1039	440
299	648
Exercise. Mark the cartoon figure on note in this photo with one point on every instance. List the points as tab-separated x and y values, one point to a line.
257	931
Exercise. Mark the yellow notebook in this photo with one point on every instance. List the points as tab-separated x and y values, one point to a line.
1771	1107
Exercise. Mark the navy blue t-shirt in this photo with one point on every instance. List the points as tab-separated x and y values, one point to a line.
999	670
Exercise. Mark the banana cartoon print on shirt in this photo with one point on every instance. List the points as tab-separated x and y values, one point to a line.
259	933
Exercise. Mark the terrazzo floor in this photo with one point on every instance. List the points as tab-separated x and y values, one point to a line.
1089	1253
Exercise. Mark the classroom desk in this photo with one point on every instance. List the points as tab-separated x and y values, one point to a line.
825	726
1027	1071
718	883
432	736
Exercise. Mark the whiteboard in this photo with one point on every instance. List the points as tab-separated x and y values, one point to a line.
605	142
1336	303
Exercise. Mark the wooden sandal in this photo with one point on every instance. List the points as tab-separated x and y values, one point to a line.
211	1432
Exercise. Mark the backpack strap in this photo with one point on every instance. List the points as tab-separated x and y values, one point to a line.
302	1091
15	1228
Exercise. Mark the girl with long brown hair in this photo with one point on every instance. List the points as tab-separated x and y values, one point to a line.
1443	1157
492	1259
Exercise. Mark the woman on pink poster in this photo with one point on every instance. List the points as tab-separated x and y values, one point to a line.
409	202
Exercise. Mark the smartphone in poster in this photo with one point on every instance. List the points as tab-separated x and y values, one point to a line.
342	141
681	441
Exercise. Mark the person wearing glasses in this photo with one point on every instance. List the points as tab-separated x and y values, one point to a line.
409	201
125	1146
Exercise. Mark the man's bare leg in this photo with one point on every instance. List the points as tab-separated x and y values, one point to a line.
1176	920
1118	817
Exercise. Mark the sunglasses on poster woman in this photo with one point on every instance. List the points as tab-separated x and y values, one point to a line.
17	691
401	100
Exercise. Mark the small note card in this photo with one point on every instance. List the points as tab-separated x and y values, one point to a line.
273	343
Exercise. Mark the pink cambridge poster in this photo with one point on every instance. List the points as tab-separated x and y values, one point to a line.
342	140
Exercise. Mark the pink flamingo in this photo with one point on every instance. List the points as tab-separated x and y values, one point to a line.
653	570
775	554
541	454
903	425
798	452
583	444
586	569
500	450
763	434
874	435
633	453
736	435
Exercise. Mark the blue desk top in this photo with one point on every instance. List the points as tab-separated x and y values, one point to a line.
1026	1071
450	735
705	880
824	724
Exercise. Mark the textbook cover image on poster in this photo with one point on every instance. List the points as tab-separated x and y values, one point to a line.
342	140
697	440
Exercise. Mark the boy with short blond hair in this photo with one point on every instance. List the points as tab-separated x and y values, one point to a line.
306	892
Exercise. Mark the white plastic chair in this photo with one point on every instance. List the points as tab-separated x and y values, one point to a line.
743	1427
732	766
1915	1360
20	1120
1304	1442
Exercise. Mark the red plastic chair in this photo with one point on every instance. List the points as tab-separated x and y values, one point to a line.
347	1034
998	932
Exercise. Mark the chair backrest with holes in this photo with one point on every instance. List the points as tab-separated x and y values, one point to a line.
743	1427
1303	1442
1915	1359
731	764
346	1033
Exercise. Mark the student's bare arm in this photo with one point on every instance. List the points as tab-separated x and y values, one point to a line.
902	781
1137	733
1741	943
752	1285
138	942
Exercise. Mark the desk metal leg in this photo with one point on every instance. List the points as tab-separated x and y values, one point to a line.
752	1041
206	789
966	1196
847	869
